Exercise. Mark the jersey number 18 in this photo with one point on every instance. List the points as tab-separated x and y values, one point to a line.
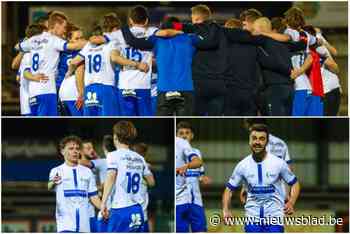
133	182
95	63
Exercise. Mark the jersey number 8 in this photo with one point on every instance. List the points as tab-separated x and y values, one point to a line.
133	182
35	62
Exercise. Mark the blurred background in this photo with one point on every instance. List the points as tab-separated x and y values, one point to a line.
331	17
319	149
29	152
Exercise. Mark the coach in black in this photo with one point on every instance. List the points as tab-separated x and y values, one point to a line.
213	70
242	84
208	66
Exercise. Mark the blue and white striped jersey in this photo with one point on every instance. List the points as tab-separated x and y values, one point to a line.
72	197
263	181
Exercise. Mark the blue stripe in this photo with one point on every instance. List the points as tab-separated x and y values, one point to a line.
106	38
77	217
260	179
65	46
112	169
92	194
75	193
193	173
191	156
192	196
261	212
75	178
20	47
231	187
293	181
27	69
74	190
262	189
93	165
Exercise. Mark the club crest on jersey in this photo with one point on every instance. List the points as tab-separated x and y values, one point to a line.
270	175
33	101
84	182
91	99
135	221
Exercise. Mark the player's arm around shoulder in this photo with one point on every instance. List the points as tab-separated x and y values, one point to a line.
78	45
277	36
332	65
299	71
117	58
140	43
168	33
23	46
74	63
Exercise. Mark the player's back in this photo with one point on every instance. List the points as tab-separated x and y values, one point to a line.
301	82
131	168
100	169
131	78
45	50
98	66
174	62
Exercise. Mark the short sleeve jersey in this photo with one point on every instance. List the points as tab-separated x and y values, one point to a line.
131	168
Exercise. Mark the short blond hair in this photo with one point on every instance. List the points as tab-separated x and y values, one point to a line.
56	17
202	10
264	24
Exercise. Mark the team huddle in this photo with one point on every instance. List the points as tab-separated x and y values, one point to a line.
262	175
123	179
251	66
